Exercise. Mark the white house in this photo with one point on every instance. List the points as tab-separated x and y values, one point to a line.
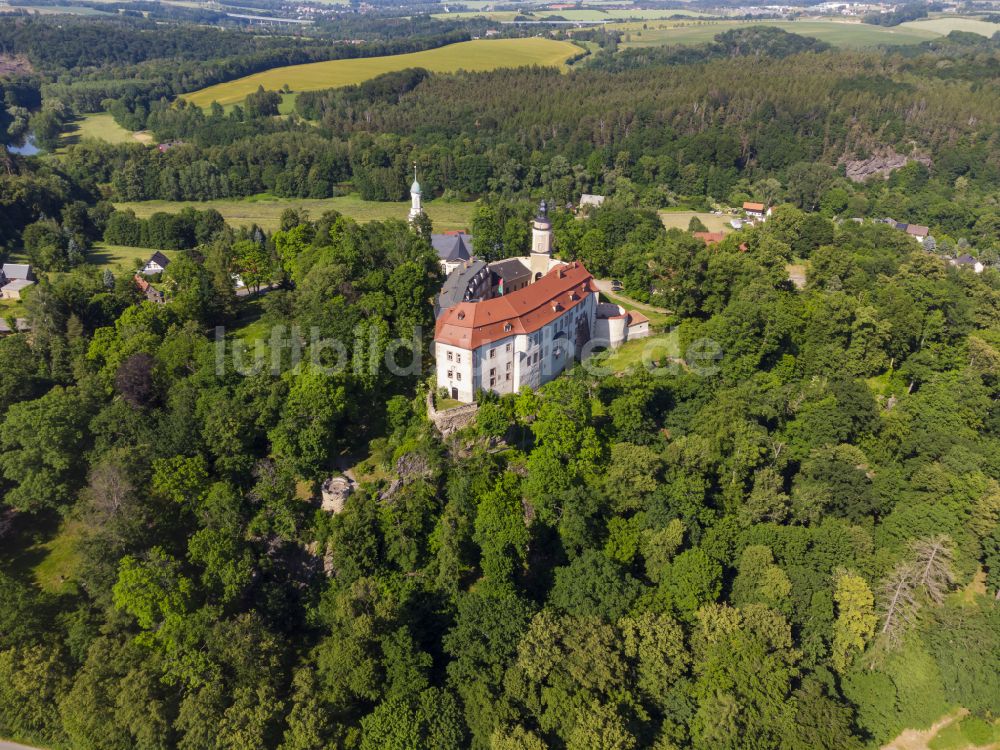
157	263
13	271
13	288
756	211
967	261
14	279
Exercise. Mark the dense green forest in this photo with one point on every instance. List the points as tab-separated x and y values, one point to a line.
785	534
664	559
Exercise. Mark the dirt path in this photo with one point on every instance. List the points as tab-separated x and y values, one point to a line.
916	739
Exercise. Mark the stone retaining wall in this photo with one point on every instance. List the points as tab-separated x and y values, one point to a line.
450	420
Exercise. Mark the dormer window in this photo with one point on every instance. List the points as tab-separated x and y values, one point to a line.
507	328
461	315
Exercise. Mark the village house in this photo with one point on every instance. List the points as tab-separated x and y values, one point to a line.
710	238
918	232
967	261
151	293
14	279
522	321
589	201
157	263
453	249
756	211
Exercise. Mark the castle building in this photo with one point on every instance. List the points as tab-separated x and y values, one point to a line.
522	321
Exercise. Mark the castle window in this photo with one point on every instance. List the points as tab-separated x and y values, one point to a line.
493	353
458	358
450	356
493	371
458	376
451	374
510	347
508	376
493	382
508	365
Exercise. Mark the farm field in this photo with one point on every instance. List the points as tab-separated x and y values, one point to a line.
265	211
837	33
591	14
948	24
481	54
681	219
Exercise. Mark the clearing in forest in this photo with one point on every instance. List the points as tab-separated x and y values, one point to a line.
265	211
477	55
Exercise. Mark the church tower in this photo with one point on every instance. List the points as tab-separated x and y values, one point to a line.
416	209
541	243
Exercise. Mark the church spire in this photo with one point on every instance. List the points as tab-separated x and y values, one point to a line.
416	208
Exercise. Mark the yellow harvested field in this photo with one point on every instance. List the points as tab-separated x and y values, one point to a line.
480	54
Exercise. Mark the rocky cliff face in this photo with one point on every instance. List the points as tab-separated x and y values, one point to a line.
859	170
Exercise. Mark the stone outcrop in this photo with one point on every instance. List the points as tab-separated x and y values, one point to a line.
859	170
335	492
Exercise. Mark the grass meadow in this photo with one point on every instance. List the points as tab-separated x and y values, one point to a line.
265	210
477	55
681	219
101	127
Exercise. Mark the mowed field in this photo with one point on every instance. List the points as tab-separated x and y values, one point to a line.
681	219
837	33
480	54
265	211
948	24
102	127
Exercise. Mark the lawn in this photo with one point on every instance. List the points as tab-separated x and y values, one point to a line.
681	219
480	54
249	324
120	257
837	33
265	211
657	320
644	352
11	308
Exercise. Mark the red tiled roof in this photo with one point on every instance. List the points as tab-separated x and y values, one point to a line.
710	238
635	318
141	283
917	230
469	325
748	206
